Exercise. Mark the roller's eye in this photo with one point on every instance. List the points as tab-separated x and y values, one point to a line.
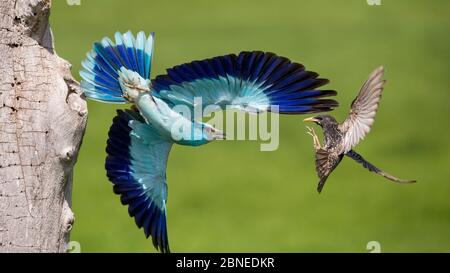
209	129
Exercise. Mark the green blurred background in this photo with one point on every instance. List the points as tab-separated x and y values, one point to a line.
229	196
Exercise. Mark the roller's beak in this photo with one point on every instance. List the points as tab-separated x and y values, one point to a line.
312	119
218	134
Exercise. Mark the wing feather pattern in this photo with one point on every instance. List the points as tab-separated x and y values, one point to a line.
250	81
358	158
325	164
136	165
363	110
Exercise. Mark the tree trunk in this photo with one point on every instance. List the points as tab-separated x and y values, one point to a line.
42	122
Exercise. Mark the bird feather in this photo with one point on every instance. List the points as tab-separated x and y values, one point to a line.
363	110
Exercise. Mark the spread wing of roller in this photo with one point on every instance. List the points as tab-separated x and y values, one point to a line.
102	66
250	81
136	165
363	110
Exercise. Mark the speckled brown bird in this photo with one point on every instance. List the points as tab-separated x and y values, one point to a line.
340	139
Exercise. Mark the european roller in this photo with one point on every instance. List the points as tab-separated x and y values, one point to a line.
141	137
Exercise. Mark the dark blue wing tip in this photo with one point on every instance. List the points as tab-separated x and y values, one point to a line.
118	166
287	84
158	230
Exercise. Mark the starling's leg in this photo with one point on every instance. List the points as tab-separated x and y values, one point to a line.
316	141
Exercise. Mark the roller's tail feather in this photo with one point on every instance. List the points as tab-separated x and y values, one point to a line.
115	72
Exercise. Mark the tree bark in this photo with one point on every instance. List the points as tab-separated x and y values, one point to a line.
42	122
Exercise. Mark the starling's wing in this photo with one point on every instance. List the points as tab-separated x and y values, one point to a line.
325	163
358	158
251	81
136	165
363	110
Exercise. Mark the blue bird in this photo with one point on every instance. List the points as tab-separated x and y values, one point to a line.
140	138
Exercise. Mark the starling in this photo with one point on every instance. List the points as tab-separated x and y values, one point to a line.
341	138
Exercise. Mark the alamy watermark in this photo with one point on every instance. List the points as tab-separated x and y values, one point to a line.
73	2
374	247
239	125
74	247
374	2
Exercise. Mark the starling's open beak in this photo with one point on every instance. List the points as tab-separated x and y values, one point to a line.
312	119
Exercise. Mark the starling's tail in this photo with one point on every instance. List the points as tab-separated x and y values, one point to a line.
116	72
358	158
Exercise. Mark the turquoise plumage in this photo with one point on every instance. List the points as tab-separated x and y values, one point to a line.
140	138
